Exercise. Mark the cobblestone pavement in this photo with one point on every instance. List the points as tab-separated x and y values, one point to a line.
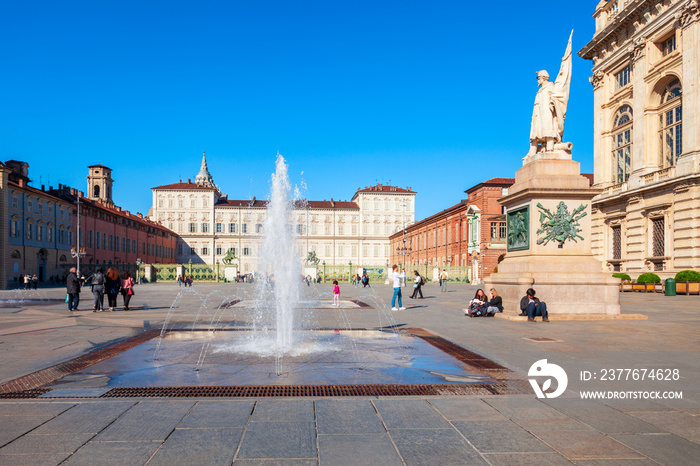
498	429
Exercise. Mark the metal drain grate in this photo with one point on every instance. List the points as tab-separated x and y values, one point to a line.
35	393
361	304
541	339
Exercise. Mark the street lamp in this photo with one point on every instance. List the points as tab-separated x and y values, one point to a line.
77	254
350	272
324	271
426	268
138	270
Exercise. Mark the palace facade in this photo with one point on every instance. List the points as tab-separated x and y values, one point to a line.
646	79
210	225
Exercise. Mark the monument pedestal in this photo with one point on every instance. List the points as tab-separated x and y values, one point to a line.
549	232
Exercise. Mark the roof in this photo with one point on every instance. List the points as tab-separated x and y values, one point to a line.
181	185
502	182
36	191
463	204
590	178
98	166
383	188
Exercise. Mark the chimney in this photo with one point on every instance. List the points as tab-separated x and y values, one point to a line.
189	180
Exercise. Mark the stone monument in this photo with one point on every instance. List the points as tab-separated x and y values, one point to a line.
548	218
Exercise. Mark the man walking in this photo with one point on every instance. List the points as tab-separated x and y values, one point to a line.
398	277
443	281
73	290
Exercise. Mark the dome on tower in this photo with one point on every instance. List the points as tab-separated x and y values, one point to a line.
204	177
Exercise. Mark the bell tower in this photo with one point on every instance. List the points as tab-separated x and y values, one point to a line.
100	183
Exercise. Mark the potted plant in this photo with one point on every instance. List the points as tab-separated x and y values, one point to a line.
647	282
625	281
688	282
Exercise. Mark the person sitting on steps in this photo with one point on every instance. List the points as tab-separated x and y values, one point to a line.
535	307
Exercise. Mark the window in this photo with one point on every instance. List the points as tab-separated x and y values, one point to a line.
193	251
328	250
205	203
111	243
246	251
179	249
40	206
671	127
299	229
494	228
258	228
40	232
341	229
668	46
205	251
231	227
218	250
193	227
49	231
15	202
657	237
616	242
354	249
30	204
180	203
89	239
205	228
193	203
14	228
502	230
622	78
232	251
244	228
622	144
219	228
170	202
160	202
354	230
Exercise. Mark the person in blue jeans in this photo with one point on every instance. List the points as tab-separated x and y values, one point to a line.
397	277
535	307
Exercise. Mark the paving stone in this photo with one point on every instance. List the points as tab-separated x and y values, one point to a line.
577	445
121	453
12	427
283	410
8	408
218	414
433	446
666	449
527	459
283	462
279	440
354	449
33	460
610	462
146	421
85	418
347	417
676	422
199	446
519	408
500	436
460	409
549	425
75	393
410	414
45	444
611	421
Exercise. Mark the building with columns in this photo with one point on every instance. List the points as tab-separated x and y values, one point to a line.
646	79
209	224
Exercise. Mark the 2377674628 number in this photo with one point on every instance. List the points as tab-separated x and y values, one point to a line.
639	374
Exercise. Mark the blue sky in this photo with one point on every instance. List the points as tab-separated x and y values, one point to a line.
433	95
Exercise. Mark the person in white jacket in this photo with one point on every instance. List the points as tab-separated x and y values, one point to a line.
398	277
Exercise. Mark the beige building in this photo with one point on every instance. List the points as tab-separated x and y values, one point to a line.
339	232
646	79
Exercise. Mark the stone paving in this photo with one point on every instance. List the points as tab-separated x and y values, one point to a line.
505	429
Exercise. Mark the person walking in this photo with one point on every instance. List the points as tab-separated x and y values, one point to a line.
336	294
443	281
73	290
25	281
127	286
97	282
417	286
35	281
179	280
112	285
397	277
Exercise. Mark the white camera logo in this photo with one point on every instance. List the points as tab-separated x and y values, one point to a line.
543	369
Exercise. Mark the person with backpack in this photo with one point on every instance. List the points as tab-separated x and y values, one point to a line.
97	283
418	283
443	281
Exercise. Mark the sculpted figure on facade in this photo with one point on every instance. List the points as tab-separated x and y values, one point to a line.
549	113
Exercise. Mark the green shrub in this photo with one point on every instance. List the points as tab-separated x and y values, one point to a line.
649	278
622	276
688	276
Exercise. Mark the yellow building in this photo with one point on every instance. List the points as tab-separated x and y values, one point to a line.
646	76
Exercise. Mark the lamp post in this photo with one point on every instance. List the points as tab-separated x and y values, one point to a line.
217	270
426	268
77	254
350	272
324	272
402	251
138	270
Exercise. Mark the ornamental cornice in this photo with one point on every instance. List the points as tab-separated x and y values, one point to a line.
597	79
690	13
636	48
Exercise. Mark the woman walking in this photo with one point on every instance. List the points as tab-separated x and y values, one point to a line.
97	282
127	284
112	285
417	285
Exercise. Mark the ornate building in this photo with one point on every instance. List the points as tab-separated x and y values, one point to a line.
339	232
646	79
470	234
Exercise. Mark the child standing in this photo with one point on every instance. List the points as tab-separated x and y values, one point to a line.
336	294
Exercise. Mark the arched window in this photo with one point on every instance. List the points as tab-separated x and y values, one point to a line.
670	123
96	191
16	255
622	144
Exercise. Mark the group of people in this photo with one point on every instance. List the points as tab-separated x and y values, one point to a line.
184	279
30	282
111	284
530	306
358	280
